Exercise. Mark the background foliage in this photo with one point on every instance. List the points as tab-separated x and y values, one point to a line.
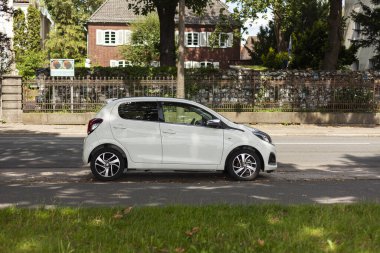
369	20
6	58
29	55
145	41
68	38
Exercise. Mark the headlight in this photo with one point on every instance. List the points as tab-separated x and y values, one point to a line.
263	136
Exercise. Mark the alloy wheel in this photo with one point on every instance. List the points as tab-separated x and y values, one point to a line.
244	165
107	164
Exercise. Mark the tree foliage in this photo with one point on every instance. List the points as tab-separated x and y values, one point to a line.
34	28
265	40
369	20
166	10
67	39
6	58
19	31
309	46
249	9
306	22
29	55
145	41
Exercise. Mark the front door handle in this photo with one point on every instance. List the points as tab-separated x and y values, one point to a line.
119	127
168	131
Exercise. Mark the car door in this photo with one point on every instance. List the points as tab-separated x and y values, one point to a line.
185	137
136	127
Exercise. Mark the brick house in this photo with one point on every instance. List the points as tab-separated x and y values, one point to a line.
109	27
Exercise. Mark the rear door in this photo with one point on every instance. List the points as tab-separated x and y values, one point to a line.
136	127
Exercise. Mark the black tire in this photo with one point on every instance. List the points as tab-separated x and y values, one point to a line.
107	164
245	170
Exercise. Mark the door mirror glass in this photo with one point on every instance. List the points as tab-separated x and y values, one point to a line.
216	123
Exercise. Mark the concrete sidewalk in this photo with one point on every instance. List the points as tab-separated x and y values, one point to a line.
272	129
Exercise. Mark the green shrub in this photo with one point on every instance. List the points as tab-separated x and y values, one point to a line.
275	60
138	71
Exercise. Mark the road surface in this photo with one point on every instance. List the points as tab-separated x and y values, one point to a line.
47	169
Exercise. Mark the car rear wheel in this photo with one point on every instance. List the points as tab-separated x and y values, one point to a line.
244	165
107	164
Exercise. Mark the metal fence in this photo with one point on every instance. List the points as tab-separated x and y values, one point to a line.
241	93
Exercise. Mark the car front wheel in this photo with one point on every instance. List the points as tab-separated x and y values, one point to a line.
107	164
244	165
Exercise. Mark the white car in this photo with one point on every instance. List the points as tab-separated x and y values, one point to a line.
151	133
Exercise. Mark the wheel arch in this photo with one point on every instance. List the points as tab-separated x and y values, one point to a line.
108	145
249	148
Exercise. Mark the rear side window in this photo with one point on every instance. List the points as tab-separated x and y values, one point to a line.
139	111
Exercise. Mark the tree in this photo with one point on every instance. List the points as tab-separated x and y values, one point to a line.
5	53
6	58
19	31
68	37
265	40
145	41
249	9
297	17
334	40
29	55
309	46
34	28
370	29
166	10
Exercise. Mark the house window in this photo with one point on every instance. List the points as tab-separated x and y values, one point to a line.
192	39
225	40
110	37
119	63
356	31
203	64
113	37
191	64
370	63
209	64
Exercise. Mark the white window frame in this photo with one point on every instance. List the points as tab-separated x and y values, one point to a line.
192	64
119	63
194	40
122	37
228	42
110	43
203	39
213	64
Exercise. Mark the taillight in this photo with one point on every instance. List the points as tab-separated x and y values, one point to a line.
93	124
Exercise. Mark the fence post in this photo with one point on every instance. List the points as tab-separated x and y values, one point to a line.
11	99
71	95
53	95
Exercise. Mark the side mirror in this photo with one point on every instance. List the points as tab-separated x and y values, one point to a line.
216	123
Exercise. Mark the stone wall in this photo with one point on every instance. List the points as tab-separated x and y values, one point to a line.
290	91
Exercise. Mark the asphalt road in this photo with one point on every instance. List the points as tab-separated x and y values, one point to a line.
340	155
197	193
312	169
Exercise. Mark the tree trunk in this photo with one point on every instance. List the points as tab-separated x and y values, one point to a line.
330	60
279	33
181	51
166	13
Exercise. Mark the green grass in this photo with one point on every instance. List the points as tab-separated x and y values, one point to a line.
255	67
219	228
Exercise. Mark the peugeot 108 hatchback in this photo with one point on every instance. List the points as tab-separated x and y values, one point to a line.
150	133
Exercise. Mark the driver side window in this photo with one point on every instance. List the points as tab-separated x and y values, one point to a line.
179	113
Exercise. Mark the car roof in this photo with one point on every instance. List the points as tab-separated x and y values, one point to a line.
152	99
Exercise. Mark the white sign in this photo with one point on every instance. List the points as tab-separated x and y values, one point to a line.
62	67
